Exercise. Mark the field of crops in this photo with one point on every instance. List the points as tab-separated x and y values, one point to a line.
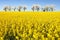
29	25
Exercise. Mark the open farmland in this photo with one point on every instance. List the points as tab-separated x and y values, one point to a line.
29	25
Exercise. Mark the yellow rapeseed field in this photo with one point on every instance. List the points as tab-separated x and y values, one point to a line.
29	25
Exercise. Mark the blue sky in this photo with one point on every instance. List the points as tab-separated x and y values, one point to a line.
29	3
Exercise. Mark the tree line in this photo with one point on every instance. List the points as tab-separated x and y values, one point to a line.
33	8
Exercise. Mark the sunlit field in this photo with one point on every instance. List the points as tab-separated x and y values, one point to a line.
29	25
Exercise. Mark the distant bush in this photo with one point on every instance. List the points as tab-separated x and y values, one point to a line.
35	7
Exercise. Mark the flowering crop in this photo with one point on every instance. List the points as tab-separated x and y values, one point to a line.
29	25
